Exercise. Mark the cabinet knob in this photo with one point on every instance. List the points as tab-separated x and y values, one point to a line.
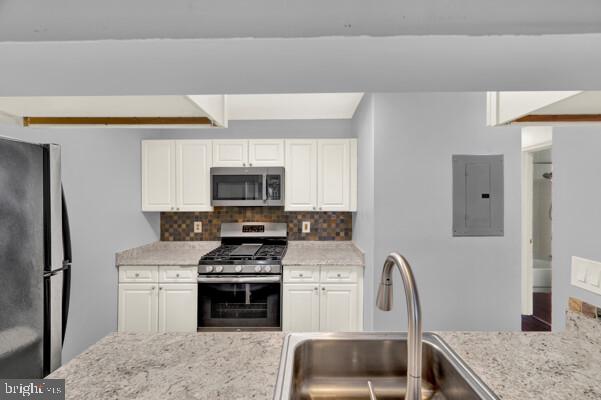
160	288
177	208
177	275
320	208
153	288
300	275
250	164
338	275
323	288
172	208
315	288
313	208
137	274
244	164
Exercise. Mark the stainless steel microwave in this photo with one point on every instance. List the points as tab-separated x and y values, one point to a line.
253	186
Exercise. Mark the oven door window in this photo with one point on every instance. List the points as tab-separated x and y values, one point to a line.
237	187
239	305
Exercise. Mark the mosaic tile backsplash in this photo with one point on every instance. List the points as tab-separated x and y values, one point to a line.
179	226
584	308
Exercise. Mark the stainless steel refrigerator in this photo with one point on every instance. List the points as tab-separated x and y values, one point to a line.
35	259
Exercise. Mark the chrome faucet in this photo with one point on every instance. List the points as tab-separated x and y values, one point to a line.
414	332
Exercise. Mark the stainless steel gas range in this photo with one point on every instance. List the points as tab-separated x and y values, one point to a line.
240	282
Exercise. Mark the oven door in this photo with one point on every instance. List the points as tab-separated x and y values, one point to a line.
239	303
232	186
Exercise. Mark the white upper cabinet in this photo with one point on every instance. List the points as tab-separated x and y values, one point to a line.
176	175
193	172
248	153
321	175
301	175
230	153
333	175
266	153
158	175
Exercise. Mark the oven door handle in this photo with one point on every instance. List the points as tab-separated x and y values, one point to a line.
239	279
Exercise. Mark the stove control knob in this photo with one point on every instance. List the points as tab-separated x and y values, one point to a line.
238	268
267	268
218	268
209	268
258	268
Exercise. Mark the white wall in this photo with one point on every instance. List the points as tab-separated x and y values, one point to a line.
465	283
576	210
101	175
363	219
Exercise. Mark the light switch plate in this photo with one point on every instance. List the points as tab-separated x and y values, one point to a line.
306	226
197	226
586	274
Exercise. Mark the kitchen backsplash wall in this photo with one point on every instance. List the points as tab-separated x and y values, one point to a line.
179	226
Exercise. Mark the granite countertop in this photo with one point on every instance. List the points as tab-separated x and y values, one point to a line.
323	253
166	253
188	253
235	366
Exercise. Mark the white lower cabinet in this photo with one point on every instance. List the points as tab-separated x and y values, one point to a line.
178	307
301	307
138	307
167	305
338	308
325	305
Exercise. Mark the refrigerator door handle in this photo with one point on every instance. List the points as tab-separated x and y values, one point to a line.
66	263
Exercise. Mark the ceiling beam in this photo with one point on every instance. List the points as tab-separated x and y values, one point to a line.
552	118
29	121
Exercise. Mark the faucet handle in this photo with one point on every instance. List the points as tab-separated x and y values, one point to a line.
372	393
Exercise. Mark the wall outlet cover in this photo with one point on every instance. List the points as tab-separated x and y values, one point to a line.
586	274
197	226
306	226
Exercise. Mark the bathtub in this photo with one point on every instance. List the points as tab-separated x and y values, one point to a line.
541	276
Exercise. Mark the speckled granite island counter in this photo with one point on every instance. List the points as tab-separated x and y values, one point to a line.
323	253
235	366
166	253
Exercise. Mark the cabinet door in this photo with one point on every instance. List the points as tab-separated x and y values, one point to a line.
266	153
301	175
301	308
138	307
230	153
334	175
193	171
178	307
158	175
339	309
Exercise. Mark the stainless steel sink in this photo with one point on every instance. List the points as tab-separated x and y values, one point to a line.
323	366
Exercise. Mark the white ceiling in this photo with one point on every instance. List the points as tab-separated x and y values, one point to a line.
588	102
43	20
293	106
100	106
239	107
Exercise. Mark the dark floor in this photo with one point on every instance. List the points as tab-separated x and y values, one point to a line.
540	321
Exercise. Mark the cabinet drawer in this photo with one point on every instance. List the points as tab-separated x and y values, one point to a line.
138	274
178	274
339	274
301	274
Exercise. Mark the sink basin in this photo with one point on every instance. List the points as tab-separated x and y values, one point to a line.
324	366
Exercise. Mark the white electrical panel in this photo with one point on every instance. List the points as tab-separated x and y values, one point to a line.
586	274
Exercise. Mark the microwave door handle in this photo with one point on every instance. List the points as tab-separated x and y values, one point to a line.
265	188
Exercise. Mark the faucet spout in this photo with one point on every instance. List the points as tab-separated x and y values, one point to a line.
414	331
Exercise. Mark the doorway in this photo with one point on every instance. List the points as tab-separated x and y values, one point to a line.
538	217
